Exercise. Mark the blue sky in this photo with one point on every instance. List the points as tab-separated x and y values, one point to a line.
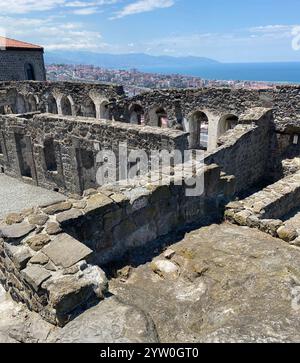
225	30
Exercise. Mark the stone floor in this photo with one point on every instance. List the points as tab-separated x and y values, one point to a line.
222	283
16	196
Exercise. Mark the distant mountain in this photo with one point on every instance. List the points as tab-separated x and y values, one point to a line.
124	61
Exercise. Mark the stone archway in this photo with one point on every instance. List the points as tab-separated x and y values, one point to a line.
88	108
227	122
32	103
66	106
52	105
20	104
136	115
158	117
198	130
104	110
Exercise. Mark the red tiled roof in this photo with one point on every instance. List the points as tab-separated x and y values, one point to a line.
16	44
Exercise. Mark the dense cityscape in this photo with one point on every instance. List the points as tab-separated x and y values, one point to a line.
135	82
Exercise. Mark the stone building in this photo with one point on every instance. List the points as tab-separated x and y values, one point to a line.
20	61
51	135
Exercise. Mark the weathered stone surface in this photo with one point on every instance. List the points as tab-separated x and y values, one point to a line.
38	219
53	228
81	204
39	259
169	254
96	201
16	231
65	251
19	325
164	267
38	241
111	321
35	276
68	292
57	208
13	218
20	255
247	288
68	215
287	233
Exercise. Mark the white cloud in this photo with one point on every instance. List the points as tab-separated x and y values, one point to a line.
53	34
143	6
85	11
28	6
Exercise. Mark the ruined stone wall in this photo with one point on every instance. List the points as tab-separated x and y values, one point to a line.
245	151
178	107
68	98
179	104
59	153
47	254
13	62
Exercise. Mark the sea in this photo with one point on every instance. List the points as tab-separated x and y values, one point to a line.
268	72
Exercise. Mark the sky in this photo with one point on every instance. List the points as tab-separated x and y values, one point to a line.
224	30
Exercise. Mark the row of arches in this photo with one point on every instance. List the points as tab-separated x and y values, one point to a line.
23	104
66	106
197	124
63	105
202	134
157	116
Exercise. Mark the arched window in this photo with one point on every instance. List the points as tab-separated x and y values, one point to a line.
52	105
29	72
66	107
198	129
136	115
104	111
32	104
226	123
19	106
162	118
88	109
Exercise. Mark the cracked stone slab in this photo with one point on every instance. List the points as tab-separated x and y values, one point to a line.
16	230
65	251
35	276
20	255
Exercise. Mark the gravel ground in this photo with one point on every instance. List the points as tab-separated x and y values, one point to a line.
16	196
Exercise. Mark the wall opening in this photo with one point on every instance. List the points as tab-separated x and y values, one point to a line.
20	105
86	168
29	72
32	104
198	130
66	107
136	115
162	118
52	105
49	154
24	155
104	111
88	109
226	123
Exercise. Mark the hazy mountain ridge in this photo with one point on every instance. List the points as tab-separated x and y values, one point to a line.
134	60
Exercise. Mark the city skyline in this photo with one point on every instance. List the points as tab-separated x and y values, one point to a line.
231	31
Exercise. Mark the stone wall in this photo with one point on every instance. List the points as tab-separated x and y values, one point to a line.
245	151
59	153
180	108
48	254
13	62
269	209
64	98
